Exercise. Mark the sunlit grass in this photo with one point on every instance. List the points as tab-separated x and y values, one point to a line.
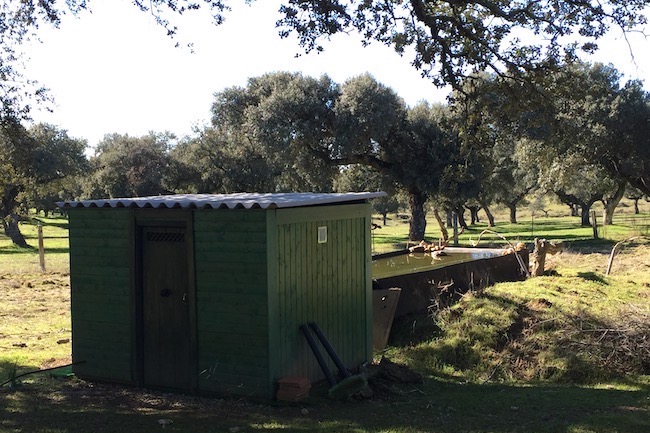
34	319
55	242
557	226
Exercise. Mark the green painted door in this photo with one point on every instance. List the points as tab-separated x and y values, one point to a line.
166	328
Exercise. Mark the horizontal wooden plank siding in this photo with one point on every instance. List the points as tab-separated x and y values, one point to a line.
231	299
101	267
326	283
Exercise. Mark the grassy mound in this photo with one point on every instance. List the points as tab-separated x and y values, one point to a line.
574	326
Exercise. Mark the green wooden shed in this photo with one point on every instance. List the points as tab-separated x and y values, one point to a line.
206	293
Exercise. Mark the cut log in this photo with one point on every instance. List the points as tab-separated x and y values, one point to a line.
538	257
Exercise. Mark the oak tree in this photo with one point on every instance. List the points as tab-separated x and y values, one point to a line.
127	166
30	160
447	40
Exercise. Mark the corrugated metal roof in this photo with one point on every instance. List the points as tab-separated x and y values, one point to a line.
225	201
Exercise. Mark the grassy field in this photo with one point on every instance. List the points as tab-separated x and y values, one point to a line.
558	225
16	260
34	306
565	352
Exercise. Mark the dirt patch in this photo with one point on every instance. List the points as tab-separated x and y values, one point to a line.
56	362
539	304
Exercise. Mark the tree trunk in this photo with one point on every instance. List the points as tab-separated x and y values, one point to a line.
473	212
9	218
12	231
418	223
574	209
611	203
460	211
584	215
490	217
443	229
385	217
449	215
513	213
538	256
636	206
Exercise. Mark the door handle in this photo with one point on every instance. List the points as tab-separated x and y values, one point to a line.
165	293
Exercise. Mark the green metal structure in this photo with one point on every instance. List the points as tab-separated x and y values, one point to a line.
206	293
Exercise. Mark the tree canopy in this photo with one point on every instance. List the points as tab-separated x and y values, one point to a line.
450	39
125	166
314	125
601	120
31	160
446	40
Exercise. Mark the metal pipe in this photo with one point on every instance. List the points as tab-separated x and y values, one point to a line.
317	354
343	371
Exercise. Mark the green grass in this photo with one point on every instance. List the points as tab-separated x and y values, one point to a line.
34	320
394	235
576	326
34	305
531	356
24	260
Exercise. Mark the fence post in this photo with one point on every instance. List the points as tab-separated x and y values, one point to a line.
41	250
532	225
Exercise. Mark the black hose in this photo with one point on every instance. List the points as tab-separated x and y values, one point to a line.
343	371
317	354
40	371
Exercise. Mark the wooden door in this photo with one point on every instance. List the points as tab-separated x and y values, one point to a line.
167	351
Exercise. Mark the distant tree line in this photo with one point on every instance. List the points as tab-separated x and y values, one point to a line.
579	134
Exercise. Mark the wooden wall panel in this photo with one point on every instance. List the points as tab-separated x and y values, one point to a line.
322	282
231	291
100	281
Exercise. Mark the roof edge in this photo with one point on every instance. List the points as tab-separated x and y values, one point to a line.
226	201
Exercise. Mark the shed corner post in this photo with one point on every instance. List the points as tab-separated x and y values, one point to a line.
368	282
272	294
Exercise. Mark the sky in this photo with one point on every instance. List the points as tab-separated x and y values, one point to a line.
115	71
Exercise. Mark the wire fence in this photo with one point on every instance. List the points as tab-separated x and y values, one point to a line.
639	224
635	224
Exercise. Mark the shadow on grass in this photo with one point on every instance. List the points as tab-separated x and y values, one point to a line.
390	239
18	250
8	370
60	223
436	406
35	237
31	250
592	348
591	245
593	276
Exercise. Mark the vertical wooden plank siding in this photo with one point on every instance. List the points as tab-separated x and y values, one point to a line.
272	298
326	283
101	266
367	252
231	297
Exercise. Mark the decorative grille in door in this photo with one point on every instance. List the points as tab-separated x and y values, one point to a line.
165	237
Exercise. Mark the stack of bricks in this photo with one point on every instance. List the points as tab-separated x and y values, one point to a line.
293	388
